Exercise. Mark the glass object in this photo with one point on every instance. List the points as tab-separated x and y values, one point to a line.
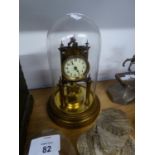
84	30
73	53
112	135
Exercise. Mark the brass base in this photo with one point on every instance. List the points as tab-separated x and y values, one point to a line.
83	116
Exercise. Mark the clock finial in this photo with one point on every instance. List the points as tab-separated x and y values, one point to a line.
61	45
87	43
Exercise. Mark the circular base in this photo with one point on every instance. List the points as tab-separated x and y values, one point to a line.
73	119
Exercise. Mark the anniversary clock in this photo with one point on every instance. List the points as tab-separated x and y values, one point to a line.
73	53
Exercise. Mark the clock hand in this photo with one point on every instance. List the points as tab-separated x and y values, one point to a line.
75	68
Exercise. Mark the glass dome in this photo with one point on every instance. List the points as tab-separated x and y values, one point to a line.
73	53
83	30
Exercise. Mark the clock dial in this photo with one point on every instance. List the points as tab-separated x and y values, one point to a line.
75	68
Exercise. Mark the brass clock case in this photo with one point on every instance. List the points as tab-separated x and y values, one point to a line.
75	78
74	103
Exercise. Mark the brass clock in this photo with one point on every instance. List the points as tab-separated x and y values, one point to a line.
74	103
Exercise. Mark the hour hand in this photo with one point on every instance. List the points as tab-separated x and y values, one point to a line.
75	68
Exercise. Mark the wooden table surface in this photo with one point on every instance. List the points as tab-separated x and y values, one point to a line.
40	121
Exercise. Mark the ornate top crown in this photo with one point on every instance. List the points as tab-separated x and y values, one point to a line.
73	47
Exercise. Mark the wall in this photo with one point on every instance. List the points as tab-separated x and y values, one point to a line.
115	19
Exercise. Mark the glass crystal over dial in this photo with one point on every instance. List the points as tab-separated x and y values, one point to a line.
75	68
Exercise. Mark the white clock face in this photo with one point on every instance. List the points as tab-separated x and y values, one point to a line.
75	68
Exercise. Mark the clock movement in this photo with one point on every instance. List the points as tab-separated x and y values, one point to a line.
74	65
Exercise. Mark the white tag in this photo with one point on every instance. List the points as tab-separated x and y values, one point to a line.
47	145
